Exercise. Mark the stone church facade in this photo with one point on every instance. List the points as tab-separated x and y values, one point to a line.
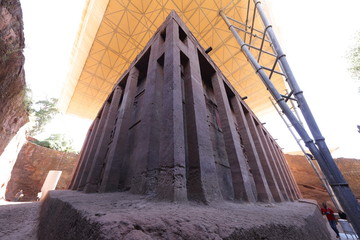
173	128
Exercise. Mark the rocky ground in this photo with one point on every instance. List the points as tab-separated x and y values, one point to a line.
137	218
129	217
18	221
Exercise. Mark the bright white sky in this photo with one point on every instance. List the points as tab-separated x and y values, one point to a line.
315	35
50	28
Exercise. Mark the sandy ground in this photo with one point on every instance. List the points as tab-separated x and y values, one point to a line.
18	220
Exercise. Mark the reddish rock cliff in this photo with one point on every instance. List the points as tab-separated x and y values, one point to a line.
32	166
310	184
350	168
12	81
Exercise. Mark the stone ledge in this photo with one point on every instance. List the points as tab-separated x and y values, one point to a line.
75	215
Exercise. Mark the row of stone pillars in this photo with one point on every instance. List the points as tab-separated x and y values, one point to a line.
174	128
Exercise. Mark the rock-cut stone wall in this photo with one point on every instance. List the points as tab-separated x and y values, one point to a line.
174	128
310	184
32	166
12	80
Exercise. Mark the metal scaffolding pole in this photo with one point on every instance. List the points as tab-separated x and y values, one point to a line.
319	150
309	158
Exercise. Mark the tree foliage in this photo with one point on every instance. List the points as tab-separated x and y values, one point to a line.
42	112
354	57
27	101
57	142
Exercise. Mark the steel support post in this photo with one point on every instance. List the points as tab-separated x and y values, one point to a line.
327	164
320	152
310	160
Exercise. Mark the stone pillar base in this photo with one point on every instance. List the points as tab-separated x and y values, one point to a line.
75	215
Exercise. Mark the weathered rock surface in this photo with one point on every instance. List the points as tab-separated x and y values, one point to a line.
310	184
32	166
75	215
9	157
350	168
12	81
19	221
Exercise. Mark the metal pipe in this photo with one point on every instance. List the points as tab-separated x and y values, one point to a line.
270	69
327	164
279	99
247	26
273	68
329	189
291	79
262	42
287	98
320	150
317	171
247	32
295	109
258	49
253	23
247	17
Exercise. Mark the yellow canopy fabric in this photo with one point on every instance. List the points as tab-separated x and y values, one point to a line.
113	32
